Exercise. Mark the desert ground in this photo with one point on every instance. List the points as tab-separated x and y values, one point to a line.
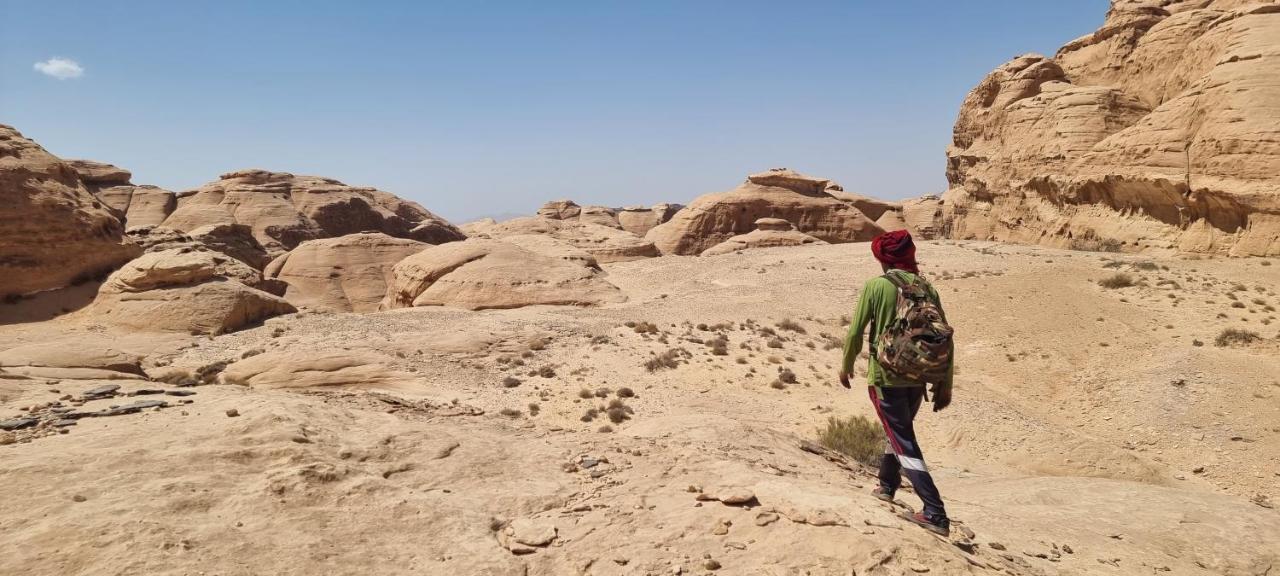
1095	429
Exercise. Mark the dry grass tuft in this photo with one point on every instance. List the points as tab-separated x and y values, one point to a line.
1235	337
1114	281
855	437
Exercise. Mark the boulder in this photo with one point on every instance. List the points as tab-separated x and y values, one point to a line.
872	208
560	210
604	243
187	289
345	274
923	217
284	210
639	220
53	231
482	273
600	215
779	193
769	232
1155	133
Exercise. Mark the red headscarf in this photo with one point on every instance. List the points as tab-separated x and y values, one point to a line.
896	250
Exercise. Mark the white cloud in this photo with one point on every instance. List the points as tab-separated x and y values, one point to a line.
60	68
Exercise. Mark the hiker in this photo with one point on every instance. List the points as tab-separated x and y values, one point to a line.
910	347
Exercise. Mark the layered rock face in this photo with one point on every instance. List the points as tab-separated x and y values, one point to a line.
284	210
136	205
639	220
769	233
481	274
604	243
344	274
188	289
1159	131
802	200
234	240
53	231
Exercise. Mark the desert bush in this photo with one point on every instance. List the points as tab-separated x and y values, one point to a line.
618	411
1235	337
547	372
1148	266
510	412
668	360
510	382
251	353
586	394
855	437
1120	280
1237	304
534	408
539	343
775	343
178	378
790	325
777	385
786	376
625	392
645	328
719	345
602	392
605	429
589	415
209	372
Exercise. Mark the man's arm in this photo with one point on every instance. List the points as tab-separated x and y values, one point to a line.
857	331
942	390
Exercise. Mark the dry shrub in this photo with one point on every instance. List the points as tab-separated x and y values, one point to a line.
618	411
645	328
786	376
719	345
625	392
1235	337
1120	280
790	325
586	394
668	360
855	437
510	382
510	412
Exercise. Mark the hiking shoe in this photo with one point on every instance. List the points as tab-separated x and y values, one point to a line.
941	528
882	495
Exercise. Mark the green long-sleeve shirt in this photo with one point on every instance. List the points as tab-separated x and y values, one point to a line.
877	307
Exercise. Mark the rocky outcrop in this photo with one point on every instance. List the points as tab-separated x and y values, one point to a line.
769	233
639	220
189	289
923	217
604	243
1157	132
53	231
780	193
560	210
136	205
481	273
345	274
234	240
284	210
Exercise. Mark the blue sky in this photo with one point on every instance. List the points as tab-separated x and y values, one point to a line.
491	107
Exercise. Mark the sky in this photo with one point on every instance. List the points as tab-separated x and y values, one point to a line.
489	108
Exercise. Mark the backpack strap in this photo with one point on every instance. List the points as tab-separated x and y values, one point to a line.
897	280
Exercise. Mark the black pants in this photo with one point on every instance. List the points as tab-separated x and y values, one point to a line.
896	408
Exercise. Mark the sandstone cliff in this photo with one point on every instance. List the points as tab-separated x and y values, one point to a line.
1160	131
53	231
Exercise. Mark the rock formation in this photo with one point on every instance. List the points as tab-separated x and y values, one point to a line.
53	231
284	210
780	193
189	289
560	210
234	240
639	220
605	243
1158	132
136	205
769	232
345	274
482	273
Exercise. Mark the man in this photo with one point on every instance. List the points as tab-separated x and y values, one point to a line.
897	398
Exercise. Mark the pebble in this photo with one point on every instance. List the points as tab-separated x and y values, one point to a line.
996	545
711	564
78	498
232	412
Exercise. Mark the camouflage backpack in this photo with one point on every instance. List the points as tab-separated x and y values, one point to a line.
917	344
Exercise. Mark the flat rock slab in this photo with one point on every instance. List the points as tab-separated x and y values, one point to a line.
17	423
100	391
132	408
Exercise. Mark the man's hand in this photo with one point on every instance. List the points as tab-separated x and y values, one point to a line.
941	397
844	379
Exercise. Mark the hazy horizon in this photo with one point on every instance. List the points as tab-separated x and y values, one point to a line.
491	108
